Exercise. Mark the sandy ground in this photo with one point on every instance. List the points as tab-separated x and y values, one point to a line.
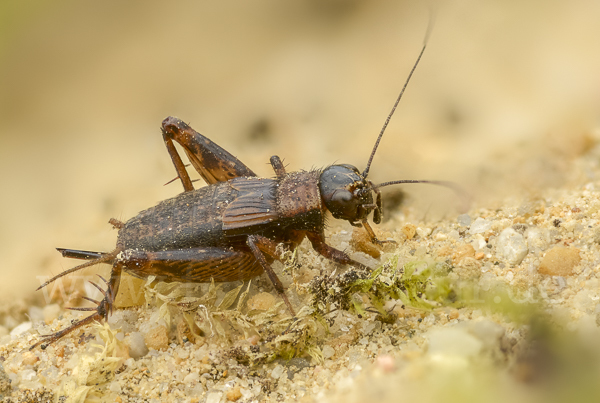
505	103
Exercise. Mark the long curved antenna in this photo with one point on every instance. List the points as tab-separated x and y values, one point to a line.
462	194
425	41
447	184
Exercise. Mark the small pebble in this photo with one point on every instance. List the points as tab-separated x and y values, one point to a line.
328	352
137	345
480	225
183	354
20	329
469	268
192	377
409	230
234	394
386	363
261	301
462	252
277	371
512	246
253	340
537	238
424	232
28	375
454	235
30	358
560	261
124	320
157	338
35	313
115	387
452	341
214	397
464	220
51	312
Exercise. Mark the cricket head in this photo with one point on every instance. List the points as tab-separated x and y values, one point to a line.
348	195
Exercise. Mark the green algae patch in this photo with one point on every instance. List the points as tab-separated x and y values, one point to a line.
421	284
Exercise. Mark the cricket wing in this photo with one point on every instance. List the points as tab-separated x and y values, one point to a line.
253	208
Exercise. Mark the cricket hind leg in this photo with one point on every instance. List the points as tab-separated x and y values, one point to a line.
195	265
211	161
103	310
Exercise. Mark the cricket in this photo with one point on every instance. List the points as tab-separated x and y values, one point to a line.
229	230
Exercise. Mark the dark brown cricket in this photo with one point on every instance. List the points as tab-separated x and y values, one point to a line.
229	230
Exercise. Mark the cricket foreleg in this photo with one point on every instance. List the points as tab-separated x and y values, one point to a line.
259	244
318	242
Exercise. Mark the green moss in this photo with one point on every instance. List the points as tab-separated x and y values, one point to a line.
418	284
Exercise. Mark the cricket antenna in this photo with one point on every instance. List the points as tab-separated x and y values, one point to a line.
427	34
465	198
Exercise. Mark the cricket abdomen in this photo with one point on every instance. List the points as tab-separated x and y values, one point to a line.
189	220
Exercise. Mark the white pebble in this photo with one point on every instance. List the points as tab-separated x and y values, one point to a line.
123	320
214	397
35	313
537	239
424	232
19	330
137	345
512	246
478	242
368	327
51	312
277	372
453	342
385	363
115	387
192	377
480	225
183	354
328	352
464	220
27	375
441	236
454	234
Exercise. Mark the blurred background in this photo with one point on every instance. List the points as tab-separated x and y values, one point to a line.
507	94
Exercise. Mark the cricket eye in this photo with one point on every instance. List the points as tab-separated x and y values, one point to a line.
343	204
